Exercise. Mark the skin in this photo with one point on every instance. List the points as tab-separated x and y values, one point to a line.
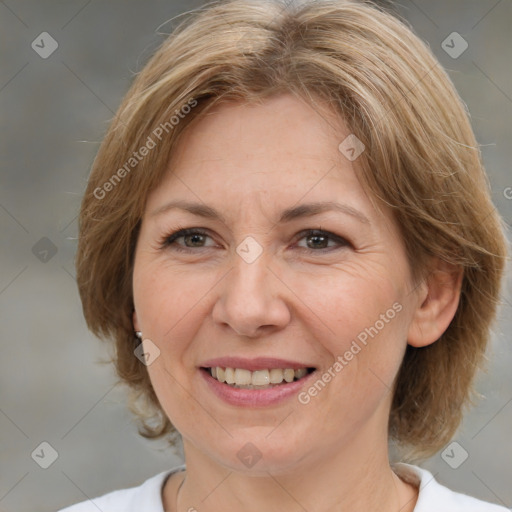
250	163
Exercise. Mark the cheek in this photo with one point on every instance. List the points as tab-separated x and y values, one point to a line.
366	354
168	299
362	324
348	301
175	398
169	308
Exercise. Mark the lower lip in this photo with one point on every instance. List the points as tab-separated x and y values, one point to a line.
254	397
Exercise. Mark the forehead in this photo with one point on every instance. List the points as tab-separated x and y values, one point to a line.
279	124
282	144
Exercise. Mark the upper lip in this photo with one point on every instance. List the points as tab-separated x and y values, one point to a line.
257	363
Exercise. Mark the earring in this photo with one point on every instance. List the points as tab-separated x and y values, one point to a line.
138	334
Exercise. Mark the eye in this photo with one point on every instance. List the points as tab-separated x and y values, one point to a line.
192	238
195	238
320	240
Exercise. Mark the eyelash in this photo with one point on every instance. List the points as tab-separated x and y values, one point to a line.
169	240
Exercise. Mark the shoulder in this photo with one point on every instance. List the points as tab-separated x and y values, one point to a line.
434	497
146	496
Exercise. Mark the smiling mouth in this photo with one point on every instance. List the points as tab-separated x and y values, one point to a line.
258	379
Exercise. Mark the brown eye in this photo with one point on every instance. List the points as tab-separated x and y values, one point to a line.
318	240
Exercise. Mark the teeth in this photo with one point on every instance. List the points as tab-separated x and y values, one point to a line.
260	377
230	376
241	377
276	376
289	375
300	373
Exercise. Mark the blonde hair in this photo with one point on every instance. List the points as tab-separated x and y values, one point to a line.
421	160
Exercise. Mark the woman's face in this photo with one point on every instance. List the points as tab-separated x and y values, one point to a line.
261	294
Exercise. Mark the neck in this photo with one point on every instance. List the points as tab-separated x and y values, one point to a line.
357	478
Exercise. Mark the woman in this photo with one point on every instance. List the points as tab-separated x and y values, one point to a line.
289	211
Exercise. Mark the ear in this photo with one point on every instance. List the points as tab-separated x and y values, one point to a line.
135	321
438	299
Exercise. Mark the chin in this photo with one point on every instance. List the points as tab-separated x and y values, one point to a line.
258	455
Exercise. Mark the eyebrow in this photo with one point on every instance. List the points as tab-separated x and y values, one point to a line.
300	211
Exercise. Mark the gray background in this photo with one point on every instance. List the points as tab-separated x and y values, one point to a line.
54	112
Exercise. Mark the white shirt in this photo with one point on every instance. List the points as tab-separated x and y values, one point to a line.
433	497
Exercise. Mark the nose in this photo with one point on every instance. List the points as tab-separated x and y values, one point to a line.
252	299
